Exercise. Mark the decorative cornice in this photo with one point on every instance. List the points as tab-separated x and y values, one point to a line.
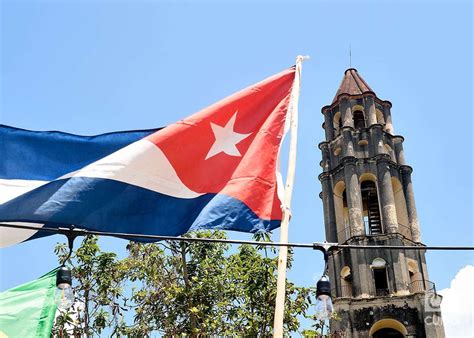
369	95
405	169
397	137
325	108
383	158
350	160
355	97
323	144
374	126
324	176
344	128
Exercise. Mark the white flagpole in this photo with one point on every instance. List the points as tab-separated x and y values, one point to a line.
290	177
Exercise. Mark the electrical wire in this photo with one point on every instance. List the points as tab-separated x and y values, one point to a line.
321	246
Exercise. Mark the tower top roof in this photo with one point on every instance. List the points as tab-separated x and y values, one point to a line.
352	84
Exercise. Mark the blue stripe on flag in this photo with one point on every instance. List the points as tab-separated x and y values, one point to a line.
47	155
108	205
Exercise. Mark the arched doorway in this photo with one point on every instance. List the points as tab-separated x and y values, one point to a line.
389	328
387	333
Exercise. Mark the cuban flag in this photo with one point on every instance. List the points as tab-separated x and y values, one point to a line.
215	169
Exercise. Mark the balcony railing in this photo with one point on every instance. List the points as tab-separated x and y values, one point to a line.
422	286
344	234
405	230
418	286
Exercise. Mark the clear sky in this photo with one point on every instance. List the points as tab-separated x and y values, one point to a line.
90	67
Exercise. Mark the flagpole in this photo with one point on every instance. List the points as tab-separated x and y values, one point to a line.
290	177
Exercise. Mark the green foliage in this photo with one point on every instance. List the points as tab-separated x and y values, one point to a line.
321	329
98	283
178	288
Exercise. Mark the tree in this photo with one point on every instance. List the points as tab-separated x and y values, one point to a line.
177	288
98	284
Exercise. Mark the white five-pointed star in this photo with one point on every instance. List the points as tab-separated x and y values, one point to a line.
226	139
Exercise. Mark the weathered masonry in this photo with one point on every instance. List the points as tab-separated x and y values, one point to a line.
368	199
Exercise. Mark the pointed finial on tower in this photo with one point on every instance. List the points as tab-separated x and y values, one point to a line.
350	56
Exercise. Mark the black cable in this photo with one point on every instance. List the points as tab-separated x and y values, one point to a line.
322	246
83	232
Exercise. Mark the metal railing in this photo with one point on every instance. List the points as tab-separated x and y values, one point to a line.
422	286
405	230
346	233
418	286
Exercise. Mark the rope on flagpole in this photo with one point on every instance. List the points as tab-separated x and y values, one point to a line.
290	177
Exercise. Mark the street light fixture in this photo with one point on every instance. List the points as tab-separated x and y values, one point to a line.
64	294
324	306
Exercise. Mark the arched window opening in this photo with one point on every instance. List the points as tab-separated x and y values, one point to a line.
416	279
401	209
359	120
337	123
379	263
379	269
412	269
371	212
390	152
346	214
346	282
342	214
380	118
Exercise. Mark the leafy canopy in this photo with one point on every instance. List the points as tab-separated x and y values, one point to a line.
177	288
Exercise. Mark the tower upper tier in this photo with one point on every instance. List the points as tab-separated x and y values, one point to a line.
355	106
364	163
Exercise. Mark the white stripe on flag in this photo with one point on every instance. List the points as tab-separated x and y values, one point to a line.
9	189
142	164
10	236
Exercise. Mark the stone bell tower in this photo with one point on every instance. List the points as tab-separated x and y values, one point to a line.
368	199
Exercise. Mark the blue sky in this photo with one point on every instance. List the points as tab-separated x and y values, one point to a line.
91	67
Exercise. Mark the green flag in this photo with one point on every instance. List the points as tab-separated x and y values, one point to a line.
28	310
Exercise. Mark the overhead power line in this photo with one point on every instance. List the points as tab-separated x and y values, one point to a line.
322	246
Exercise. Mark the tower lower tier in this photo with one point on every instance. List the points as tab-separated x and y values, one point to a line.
416	315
